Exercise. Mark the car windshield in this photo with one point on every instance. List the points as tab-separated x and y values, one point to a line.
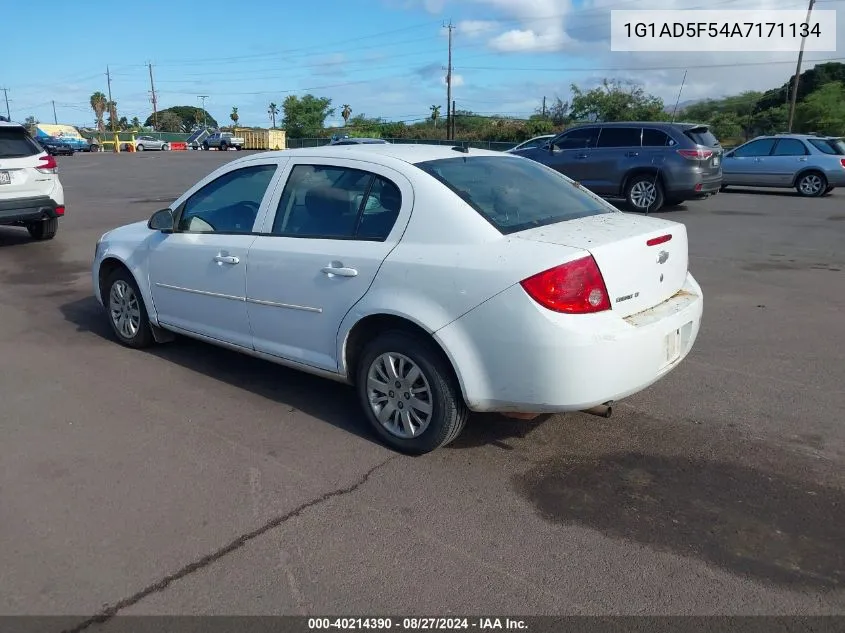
834	146
512	193
16	143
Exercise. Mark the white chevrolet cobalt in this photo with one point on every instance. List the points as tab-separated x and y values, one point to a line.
436	280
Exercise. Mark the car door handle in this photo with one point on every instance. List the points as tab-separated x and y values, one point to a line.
803	159
632	154
340	271
580	156
226	259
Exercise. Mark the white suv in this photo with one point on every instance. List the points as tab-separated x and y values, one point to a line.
30	192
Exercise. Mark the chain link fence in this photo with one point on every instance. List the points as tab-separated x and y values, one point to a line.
500	146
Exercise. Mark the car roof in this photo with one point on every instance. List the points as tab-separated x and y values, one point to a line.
8	124
654	124
411	153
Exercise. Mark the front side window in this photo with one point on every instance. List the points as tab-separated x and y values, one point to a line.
228	204
761	147
328	202
512	193
581	138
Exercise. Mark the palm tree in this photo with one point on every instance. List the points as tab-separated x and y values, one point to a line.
435	114
273	110
111	107
234	116
346	113
98	104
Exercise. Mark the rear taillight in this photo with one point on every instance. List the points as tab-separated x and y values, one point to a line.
695	154
842	161
656	241
573	288
48	165
60	210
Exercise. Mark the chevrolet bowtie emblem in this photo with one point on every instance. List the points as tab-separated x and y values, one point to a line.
662	257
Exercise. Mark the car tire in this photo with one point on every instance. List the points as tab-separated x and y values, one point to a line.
436	388
126	311
43	229
205	147
140	148
224	147
238	147
165	148
642	189
811	184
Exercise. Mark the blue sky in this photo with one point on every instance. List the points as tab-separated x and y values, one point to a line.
383	57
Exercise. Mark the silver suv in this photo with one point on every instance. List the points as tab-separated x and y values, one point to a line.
650	164
813	165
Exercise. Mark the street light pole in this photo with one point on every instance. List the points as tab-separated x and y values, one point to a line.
204	122
794	98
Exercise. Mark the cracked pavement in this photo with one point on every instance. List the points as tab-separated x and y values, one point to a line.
192	480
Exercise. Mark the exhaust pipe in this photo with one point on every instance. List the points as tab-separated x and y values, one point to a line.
603	410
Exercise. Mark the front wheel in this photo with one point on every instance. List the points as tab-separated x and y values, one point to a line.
409	393
140	148
43	229
811	185
223	147
127	313
205	147
644	193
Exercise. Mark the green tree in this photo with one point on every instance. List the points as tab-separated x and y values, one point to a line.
306	116
435	114
98	103
273	111
135	122
346	113
234	116
616	100
169	122
191	118
111	108
823	111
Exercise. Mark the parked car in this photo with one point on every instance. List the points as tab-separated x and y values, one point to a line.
648	164
196	138
436	280
537	141
31	194
223	141
813	165
143	143
348	140
55	146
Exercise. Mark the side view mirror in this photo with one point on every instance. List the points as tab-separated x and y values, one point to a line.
161	221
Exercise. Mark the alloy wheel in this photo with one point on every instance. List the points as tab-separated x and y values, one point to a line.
399	395
125	309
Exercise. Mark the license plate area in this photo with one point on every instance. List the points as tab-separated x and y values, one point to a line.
5	178
716	161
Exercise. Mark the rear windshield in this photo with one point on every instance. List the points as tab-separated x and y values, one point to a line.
16	143
513	193
835	146
702	136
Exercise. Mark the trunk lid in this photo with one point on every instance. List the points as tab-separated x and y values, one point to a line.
638	276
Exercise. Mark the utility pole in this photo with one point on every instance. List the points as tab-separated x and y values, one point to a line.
153	96
798	70
544	107
111	110
453	120
55	118
449	84
204	123
6	95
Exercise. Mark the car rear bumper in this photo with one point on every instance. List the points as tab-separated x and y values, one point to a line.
694	188
532	360
28	209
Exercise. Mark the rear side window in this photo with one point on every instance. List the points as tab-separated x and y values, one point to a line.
834	147
789	147
514	194
16	143
702	136
656	138
620	137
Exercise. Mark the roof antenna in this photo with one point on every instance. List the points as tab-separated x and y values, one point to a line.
461	148
678	100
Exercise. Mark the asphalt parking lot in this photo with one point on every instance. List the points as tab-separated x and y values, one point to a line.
190	479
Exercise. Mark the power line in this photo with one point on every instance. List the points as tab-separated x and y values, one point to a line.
643	68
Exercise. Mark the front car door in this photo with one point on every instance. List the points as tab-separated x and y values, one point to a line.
569	153
198	272
334	224
746	165
788	157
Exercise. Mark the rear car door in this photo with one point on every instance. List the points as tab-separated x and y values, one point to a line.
788	157
746	165
335	222
619	149
198	272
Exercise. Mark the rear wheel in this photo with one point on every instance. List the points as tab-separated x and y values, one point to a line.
811	185
43	229
644	193
140	148
127	313
205	147
223	147
409	393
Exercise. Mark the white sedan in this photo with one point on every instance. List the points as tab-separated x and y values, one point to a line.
436	280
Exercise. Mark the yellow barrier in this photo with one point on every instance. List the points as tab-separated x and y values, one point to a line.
116	143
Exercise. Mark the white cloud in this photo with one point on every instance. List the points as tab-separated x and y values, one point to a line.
457	80
476	28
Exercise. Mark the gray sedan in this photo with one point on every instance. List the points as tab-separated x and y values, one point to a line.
150	142
813	165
